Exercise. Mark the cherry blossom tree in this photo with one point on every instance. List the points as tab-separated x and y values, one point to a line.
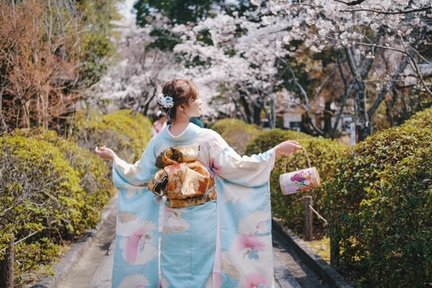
362	57
230	54
372	45
138	73
366	34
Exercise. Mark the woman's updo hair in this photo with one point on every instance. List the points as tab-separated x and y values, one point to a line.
176	93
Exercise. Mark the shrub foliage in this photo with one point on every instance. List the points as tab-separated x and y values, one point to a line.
52	190
322	154
377	198
380	202
93	172
237	133
124	132
40	195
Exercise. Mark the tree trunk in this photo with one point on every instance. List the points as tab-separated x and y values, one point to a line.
7	267
3	126
256	113
362	116
308	225
334	246
328	114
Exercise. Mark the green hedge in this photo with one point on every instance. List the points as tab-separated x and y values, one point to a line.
399	230
39	193
420	120
124	132
270	138
93	172
54	190
237	133
372	223
322	154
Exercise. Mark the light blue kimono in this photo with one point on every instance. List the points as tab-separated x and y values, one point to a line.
222	243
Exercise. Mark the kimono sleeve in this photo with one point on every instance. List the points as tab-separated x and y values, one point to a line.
137	174
250	171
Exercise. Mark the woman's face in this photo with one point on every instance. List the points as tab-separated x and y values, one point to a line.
193	108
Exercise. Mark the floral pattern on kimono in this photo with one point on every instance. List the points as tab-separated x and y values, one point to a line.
221	243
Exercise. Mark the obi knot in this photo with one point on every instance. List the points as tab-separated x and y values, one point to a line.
182	178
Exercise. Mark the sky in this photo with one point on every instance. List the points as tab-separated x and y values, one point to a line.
126	7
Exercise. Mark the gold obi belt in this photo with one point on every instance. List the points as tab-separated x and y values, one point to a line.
182	178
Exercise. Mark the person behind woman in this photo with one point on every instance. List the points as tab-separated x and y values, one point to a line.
160	123
191	211
197	121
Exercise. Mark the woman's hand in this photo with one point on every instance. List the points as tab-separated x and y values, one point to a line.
105	153
287	148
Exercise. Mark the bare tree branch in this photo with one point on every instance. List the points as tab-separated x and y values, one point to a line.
28	236
323	83
388	87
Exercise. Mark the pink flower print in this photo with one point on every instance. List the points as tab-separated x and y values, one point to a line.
298	177
301	179
255	280
252	244
135	243
214	166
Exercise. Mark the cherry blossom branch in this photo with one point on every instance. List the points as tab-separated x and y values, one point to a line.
381	46
418	54
413	63
303	92
418	72
394	12
351	3
416	68
353	67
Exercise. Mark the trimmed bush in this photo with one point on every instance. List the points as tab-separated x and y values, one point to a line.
270	138
53	190
93	172
354	195
124	132
422	119
322	154
40	195
399	225
237	133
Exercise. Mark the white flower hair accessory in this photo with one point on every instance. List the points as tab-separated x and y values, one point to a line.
165	101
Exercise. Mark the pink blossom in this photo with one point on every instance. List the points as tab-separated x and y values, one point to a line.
251	242
254	280
133	243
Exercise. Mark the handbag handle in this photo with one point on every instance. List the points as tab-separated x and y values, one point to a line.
307	157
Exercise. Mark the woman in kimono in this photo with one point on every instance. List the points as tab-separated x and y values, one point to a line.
191	211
